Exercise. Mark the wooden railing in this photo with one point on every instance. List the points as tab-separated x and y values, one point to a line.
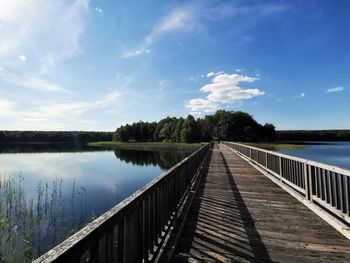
323	185
133	231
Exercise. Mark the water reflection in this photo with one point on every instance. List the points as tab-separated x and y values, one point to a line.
163	159
47	148
48	192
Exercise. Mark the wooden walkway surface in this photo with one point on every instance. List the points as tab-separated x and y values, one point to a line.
239	215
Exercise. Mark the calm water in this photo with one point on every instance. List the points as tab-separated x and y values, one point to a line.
334	153
48	193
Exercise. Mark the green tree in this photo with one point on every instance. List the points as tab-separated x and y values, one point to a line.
190	131
269	132
177	131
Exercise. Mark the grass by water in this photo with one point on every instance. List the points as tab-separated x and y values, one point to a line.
278	146
31	226
147	146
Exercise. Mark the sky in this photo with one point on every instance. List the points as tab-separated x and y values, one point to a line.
99	64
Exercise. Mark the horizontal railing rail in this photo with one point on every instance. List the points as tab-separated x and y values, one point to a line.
325	185
133	230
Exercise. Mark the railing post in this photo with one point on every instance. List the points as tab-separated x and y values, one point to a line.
120	238
94	253
307	182
133	235
109	246
280	166
146	227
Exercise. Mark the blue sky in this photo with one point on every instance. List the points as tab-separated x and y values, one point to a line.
95	65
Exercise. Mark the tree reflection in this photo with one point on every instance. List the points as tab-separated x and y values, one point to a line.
48	147
163	159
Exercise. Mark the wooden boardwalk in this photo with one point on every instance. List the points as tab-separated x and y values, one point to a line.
239	215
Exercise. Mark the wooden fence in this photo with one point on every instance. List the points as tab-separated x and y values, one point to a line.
323	185
133	231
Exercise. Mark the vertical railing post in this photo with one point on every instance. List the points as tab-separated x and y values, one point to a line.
146	227
175	191
347	194
94	253
280	167
120	238
109	246
310	182
307	182
133	235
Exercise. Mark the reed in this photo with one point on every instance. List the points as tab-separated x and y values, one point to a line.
31	226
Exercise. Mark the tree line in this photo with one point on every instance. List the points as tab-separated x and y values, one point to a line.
223	125
77	137
313	135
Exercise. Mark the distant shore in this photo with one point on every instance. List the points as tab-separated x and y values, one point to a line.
277	146
146	146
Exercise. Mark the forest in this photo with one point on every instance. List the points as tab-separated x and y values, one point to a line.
223	125
76	137
313	135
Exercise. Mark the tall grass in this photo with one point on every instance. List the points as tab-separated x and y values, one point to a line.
31	226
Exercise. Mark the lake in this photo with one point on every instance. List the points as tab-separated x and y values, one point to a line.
47	193
333	153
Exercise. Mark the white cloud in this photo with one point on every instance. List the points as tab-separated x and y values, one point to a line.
193	78
131	54
34	83
197	106
47	32
239	70
53	115
194	17
98	10
6	106
163	83
223	89
300	96
211	74
179	20
40	29
335	89
22	58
